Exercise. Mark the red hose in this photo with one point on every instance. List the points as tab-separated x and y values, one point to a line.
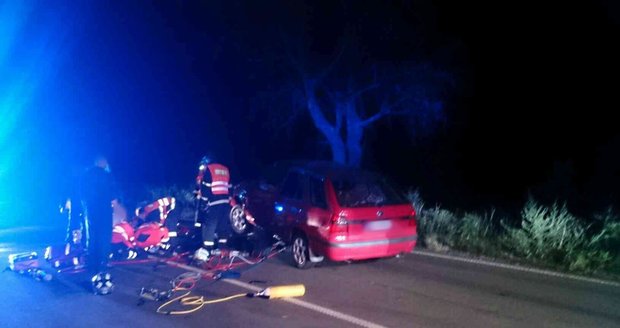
217	264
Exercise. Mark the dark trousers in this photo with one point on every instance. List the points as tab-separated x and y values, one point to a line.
99	241
216	219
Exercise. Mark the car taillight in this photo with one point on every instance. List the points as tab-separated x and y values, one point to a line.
340	223
412	219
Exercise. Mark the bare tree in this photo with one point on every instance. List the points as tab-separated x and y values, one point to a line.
346	82
344	103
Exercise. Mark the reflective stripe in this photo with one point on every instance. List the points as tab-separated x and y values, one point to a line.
216	189
197	225
160	202
172	233
161	213
121	230
166	201
218	202
208	243
216	183
374	242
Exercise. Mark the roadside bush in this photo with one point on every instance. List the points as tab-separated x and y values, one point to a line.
602	251
440	229
416	199
437	228
608	238
547	234
476	234
589	260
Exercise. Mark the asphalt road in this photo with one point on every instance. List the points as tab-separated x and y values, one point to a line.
413	291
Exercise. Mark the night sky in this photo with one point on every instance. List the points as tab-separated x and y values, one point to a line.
156	85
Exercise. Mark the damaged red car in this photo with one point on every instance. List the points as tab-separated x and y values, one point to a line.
328	211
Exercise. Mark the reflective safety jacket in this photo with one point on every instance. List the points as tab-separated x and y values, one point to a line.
213	183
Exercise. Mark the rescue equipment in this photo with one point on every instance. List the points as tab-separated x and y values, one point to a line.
282	291
102	284
199	301
28	264
150	235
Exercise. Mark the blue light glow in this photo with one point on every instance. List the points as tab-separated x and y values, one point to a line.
279	208
30	51
14	92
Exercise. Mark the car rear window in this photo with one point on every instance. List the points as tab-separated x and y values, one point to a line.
365	192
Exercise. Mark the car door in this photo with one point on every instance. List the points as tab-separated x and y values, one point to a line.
319	214
290	208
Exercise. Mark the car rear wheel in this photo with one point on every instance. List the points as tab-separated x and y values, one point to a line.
301	252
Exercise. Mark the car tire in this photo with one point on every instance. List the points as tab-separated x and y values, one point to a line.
238	222
300	252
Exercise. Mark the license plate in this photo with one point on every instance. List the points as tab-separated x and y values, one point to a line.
379	225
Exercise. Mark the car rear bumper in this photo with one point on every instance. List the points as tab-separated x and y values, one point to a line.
369	249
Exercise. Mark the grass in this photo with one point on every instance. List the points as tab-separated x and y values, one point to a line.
548	236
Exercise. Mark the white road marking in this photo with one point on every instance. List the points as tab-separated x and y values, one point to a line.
307	305
518	268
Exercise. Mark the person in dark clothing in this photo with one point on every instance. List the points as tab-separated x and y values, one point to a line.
75	222
212	192
97	193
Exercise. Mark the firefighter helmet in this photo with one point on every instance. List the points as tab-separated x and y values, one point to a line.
206	160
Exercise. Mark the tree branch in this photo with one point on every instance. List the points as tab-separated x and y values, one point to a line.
364	90
339	116
331	65
320	121
379	115
386	110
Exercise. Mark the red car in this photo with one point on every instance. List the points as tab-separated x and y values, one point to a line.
325	210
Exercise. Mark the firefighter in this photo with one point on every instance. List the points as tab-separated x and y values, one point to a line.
156	211
98	193
213	205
